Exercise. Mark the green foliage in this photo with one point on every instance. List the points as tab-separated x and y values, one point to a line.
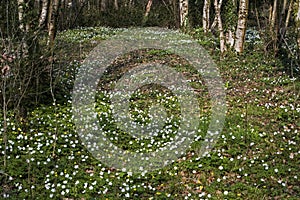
230	16
256	156
86	34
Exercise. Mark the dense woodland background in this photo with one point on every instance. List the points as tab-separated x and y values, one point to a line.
256	45
29	28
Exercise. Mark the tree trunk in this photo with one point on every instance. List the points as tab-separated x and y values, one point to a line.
205	19
44	13
217	6
281	26
21	13
183	12
52	19
273	16
230	38
297	19
288	16
242	26
24	25
103	7
148	8
116	4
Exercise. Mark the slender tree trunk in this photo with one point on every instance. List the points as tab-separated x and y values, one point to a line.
288	16
52	20
205	20
281	26
217	6
273	16
103	5
297	19
230	38
24	25
183	12
116	4
44	13
175	12
148	8
257	16
241	26
21	13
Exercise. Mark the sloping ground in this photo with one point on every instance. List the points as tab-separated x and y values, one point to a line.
257	155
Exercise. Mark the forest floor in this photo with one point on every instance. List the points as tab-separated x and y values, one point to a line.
257	155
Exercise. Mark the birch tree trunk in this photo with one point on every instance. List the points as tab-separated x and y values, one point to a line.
44	13
21	13
288	16
273	16
103	5
205	19
52	19
116	4
297	19
148	8
217	5
230	38
24	26
241	26
183	12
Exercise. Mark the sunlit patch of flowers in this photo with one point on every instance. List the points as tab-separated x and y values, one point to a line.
252	36
84	34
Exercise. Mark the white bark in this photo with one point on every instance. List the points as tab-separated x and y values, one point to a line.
23	26
148	8
183	12
21	14
116	4
273	16
217	5
44	13
205	20
297	19
241	26
103	5
230	38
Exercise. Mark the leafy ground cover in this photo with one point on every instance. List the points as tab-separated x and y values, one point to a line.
257	155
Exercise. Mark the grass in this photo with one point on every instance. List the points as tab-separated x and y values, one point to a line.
256	157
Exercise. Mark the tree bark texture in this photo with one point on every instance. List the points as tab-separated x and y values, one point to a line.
217	5
44	13
183	12
205	20
241	26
